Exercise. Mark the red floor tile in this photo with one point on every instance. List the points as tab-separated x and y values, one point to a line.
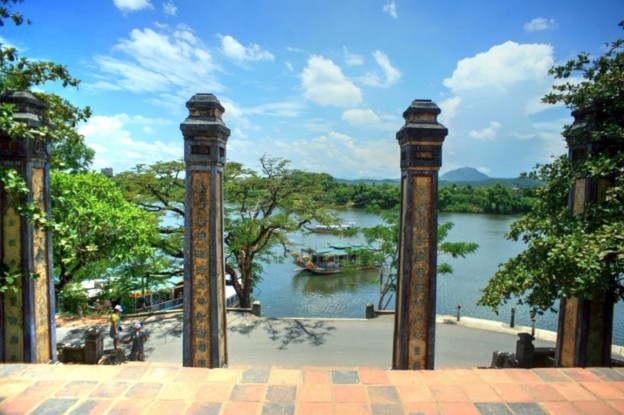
240	408
480	392
373	377
543	392
596	408
511	392
573	392
561	408
351	409
604	390
213	392
350	393
318	377
315	393
249	393
458	408
415	393
314	408
449	393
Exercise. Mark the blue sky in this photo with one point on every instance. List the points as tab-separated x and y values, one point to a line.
322	83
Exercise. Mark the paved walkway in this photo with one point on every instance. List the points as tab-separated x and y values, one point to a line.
161	388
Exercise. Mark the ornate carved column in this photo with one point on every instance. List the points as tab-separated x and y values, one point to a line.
420	140
585	329
27	327
205	139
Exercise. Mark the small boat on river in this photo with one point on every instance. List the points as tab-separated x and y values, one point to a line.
318	228
334	258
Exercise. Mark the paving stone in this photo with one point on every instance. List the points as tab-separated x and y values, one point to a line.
11	370
526	408
255	376
110	390
204	408
315	393
143	390
350	393
550	375
317	377
458	408
76	389
373	377
213	392
493	409
345	376
251	393
278	409
92	407
421	408
281	393
54	406
607	374
383	394
386	409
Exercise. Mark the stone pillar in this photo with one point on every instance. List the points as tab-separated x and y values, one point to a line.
585	328
27	327
205	139
420	140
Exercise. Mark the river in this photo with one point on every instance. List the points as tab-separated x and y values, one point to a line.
285	291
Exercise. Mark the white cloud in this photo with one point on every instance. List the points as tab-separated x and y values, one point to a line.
170	8
325	84
502	66
493	105
282	109
132	5
539	24
240	54
151	61
391	9
360	117
390	75
115	147
448	109
352	59
489	133
341	156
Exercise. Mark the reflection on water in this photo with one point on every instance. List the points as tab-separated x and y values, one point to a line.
315	284
286	291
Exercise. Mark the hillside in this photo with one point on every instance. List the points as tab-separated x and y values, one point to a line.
464	174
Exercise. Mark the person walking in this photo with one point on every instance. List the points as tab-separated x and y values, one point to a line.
138	339
115	325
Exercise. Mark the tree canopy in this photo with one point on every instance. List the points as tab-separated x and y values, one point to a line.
578	255
263	207
98	229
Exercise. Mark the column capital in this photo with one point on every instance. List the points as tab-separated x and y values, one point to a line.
205	133
422	136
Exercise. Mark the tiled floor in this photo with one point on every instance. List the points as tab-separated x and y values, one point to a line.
152	388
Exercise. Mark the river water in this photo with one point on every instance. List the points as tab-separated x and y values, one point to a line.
285	291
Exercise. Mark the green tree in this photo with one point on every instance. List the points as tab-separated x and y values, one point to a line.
159	189
263	207
384	239
98	229
59	122
574	255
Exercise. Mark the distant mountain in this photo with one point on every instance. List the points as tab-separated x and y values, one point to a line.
464	174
